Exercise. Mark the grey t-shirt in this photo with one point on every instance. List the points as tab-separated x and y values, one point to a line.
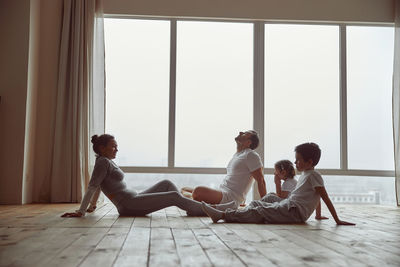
109	177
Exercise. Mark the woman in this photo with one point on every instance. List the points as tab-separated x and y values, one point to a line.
109	178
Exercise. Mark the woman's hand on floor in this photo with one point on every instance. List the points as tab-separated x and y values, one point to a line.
72	214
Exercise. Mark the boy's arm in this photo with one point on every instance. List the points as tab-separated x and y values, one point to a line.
318	215
259	177
324	195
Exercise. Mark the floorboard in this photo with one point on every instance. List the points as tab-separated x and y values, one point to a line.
36	235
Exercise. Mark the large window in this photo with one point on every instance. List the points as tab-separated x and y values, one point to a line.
137	67
369	97
179	91
302	91
214	91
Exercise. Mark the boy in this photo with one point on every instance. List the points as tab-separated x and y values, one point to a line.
297	208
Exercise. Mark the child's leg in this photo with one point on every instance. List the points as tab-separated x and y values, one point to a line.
225	206
246	215
267	213
271	198
162	186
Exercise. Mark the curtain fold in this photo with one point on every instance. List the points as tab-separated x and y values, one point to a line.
396	99
77	84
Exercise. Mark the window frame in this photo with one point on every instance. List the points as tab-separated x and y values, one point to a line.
258	96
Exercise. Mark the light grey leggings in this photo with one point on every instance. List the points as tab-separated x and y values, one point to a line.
161	195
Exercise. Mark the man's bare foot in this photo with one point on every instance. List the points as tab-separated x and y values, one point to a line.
186	189
91	208
321	218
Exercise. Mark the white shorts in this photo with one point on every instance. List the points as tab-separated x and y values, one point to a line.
228	196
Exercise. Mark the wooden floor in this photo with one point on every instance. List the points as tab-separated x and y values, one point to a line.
35	235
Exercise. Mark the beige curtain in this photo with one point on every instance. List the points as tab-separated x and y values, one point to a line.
396	99
80	81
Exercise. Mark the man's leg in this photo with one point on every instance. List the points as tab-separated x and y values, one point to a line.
208	195
266	213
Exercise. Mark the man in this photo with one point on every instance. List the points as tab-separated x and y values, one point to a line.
244	165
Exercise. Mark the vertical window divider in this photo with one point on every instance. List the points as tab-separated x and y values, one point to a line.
258	90
343	97
172	96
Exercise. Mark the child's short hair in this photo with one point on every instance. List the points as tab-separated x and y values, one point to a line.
286	165
309	151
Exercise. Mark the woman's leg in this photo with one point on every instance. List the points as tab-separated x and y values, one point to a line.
162	186
143	204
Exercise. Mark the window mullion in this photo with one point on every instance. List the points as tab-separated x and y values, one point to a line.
343	97
172	96
258	90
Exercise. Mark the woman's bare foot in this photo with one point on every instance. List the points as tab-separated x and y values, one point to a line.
214	214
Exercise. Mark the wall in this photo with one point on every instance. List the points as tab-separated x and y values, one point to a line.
317	10
14	48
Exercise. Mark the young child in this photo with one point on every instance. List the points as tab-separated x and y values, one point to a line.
300	204
284	170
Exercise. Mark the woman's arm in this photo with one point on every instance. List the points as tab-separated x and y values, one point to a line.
98	175
324	195
93	201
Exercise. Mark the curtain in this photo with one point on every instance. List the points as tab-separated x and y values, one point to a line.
396	100
80	81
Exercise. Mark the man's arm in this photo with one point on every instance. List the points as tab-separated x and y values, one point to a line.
259	177
324	195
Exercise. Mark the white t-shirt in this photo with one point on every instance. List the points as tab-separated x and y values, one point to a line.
304	196
289	184
238	179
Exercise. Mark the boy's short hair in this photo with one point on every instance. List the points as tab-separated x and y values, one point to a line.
309	151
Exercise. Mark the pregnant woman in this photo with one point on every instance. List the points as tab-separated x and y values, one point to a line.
109	178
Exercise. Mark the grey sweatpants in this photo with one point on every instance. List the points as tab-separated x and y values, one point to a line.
161	195
267	210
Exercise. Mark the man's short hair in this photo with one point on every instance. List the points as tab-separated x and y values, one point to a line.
254	139
309	151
